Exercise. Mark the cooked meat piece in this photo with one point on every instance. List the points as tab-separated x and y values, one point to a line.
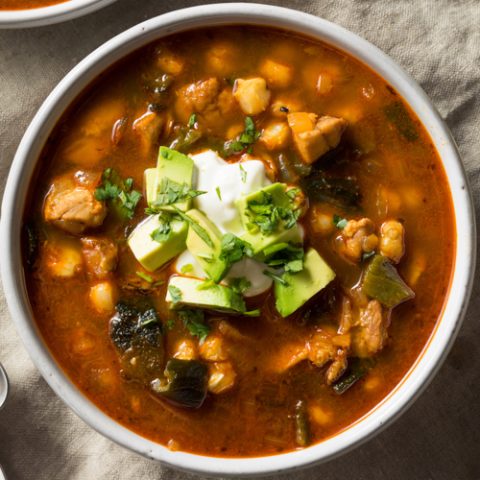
346	316
313	136
100	256
321	349
148	128
371	331
252	95
357	238
392	244
288	356
213	349
337	367
199	96
185	349
222	377
73	209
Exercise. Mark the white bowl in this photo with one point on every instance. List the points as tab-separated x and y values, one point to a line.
80	77
61	12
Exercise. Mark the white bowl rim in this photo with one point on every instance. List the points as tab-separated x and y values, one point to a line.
255	14
60	12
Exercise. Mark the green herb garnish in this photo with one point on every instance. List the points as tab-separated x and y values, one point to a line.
192	120
239	285
187	268
275	277
339	222
244	141
243	173
162	233
197	228
118	193
175	293
194	321
171	192
219	193
286	256
233	249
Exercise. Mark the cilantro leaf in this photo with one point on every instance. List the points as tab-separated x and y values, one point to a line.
286	256
118	193
162	233
171	192
194	321
243	173
233	249
192	120
244	141
339	222
239	285
175	293
198	229
219	193
275	277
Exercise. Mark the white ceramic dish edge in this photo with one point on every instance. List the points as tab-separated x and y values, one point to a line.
66	91
61	12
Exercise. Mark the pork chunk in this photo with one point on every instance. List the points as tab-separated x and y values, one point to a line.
73	209
100	255
371	332
314	136
199	96
357	238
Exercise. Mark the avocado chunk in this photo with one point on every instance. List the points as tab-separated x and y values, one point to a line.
151	253
174	170
268	217
204	242
193	292
298	288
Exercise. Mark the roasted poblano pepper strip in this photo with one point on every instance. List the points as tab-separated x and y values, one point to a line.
382	282
357	369
185	385
302	425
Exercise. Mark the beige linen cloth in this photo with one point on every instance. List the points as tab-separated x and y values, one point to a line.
438	42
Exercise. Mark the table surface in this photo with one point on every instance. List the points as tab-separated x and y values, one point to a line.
438	43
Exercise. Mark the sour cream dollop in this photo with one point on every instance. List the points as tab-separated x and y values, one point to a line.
225	183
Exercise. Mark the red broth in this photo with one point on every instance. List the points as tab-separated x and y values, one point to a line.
395	169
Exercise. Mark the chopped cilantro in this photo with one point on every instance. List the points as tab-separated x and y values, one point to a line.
194	321
118	193
219	193
197	228
253	313
244	141
275	277
192	120
233	249
239	285
162	233
171	192
265	215
286	256
187	268
243	173
339	221
144	276
175	293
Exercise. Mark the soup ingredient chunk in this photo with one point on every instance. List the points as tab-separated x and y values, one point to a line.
314	136
392	244
73	208
184	383
198	97
221	377
103	296
101	256
358	238
252	95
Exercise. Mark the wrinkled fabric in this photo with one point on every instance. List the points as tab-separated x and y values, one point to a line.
438	43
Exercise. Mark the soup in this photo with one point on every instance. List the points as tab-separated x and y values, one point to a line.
27	4
238	241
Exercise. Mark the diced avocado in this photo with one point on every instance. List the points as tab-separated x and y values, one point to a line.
262	201
175	167
299	287
193	292
204	242
153	254
150	182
